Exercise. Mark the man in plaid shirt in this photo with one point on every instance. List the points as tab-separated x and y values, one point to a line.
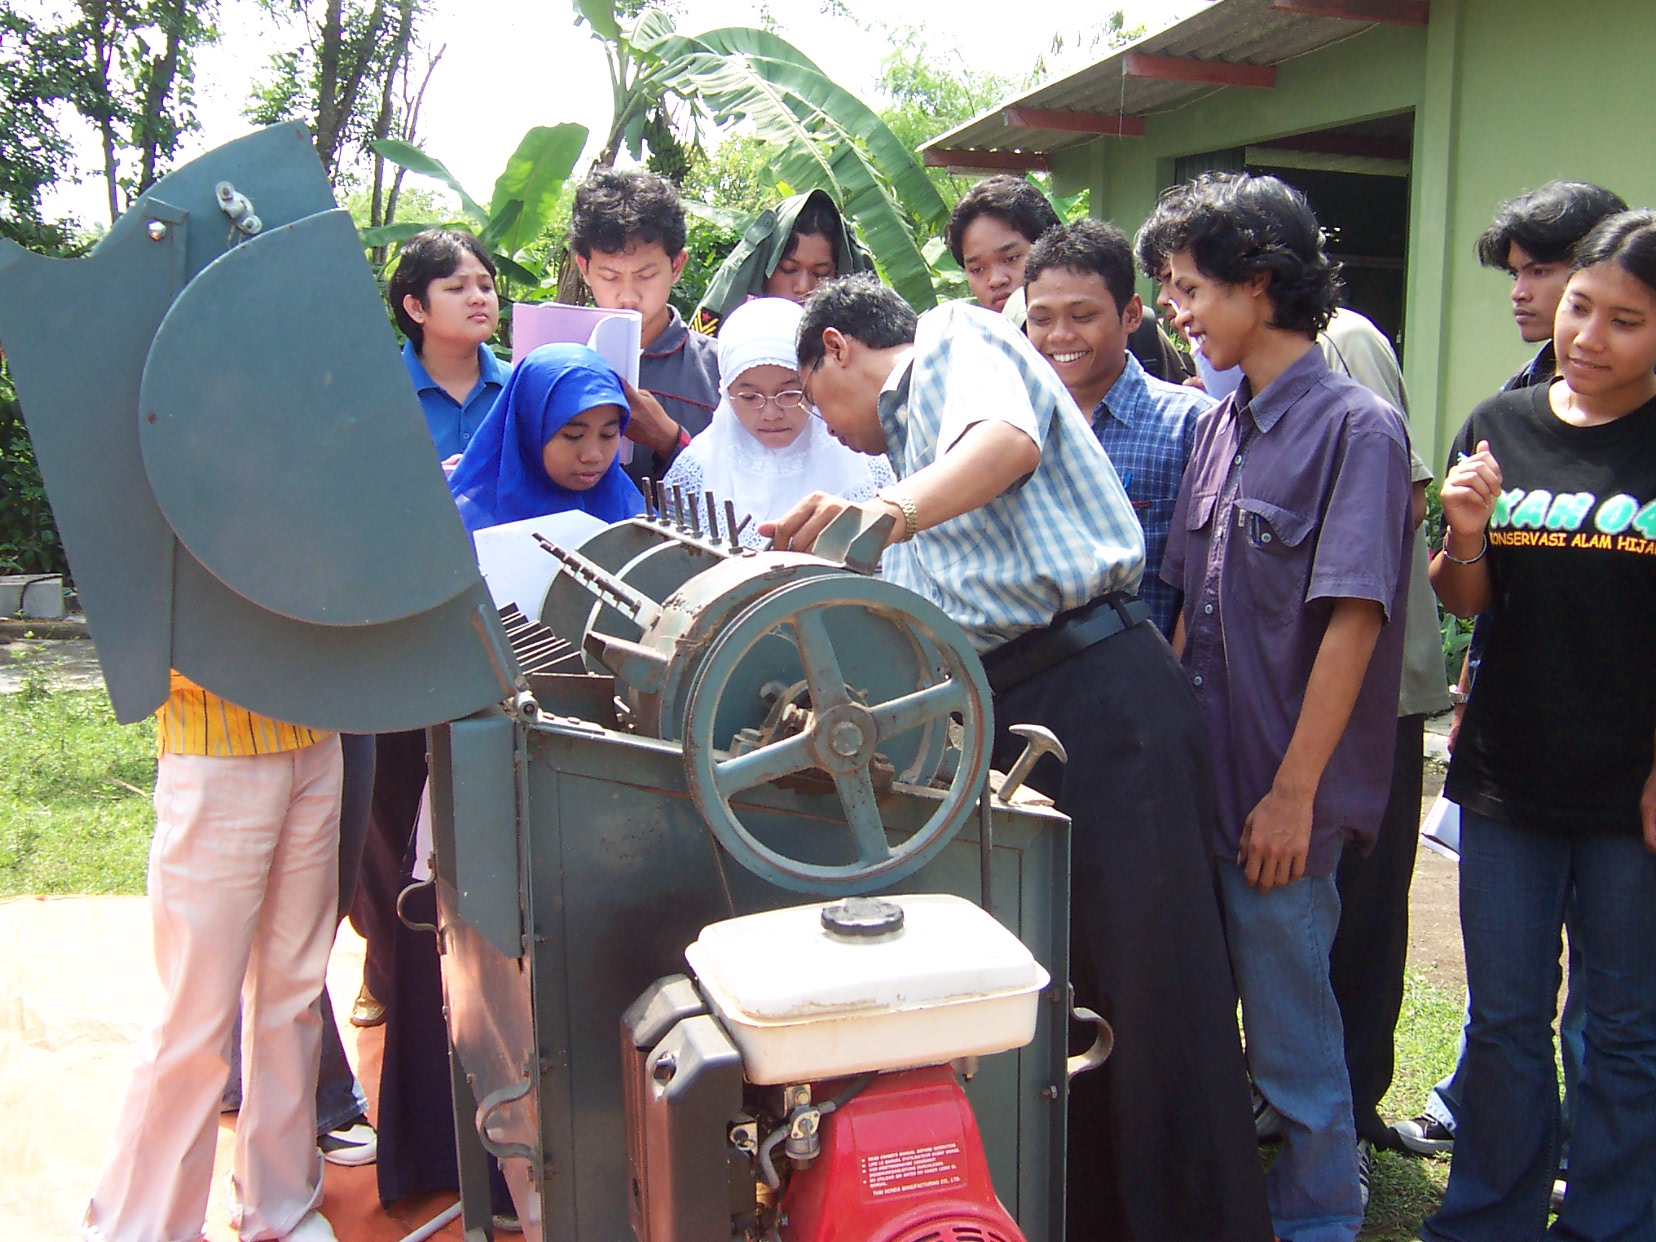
1010	519
1082	309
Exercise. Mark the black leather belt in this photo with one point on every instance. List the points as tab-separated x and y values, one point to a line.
1032	654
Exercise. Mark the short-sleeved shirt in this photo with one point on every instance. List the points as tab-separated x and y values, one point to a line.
1147	427
452	422
1294	499
680	368
1560	730
1048	544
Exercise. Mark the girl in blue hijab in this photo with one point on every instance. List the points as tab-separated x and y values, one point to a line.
549	444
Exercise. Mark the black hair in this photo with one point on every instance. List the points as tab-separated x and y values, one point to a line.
1547	222
1150	245
617	209
817	218
1012	200
1627	239
425	257
1236	225
862	309
1087	246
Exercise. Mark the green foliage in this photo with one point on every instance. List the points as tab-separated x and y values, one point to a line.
707	243
29	541
75	816
527	196
38	67
930	90
735	176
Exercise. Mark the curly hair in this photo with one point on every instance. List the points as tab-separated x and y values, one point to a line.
1011	200
617	209
1235	225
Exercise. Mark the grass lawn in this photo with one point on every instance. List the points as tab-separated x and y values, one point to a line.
75	813
75	817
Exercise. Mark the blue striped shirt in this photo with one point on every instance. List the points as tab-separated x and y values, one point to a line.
1147	426
1051	543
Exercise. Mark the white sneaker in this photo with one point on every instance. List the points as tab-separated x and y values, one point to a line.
314	1228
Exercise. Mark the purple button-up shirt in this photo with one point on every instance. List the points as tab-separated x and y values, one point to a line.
1293	499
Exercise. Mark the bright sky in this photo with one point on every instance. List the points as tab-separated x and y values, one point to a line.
511	64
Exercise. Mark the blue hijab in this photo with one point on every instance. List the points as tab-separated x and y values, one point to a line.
502	478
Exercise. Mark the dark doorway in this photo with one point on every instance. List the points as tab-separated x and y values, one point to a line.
1356	178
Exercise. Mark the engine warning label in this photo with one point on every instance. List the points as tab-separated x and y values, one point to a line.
914	1169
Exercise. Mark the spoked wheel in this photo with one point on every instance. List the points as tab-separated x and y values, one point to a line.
843	730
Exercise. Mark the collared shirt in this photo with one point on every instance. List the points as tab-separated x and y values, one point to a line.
194	721
453	422
1147	426
1053	542
1538	370
1293	499
680	368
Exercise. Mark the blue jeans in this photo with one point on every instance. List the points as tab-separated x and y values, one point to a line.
1444	1103
1279	948
1515	884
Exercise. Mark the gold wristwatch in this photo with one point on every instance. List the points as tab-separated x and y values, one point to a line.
904	502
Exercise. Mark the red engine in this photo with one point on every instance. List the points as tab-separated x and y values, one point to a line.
901	1162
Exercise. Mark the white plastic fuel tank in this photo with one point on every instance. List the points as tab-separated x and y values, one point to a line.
822	991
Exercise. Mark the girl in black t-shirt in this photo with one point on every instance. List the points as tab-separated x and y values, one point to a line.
1549	506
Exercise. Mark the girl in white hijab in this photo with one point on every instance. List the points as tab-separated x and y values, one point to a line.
764	450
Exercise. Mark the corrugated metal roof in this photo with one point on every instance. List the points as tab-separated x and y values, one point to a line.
1246	32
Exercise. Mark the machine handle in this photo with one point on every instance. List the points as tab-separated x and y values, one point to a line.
1103	1043
492	1102
402	896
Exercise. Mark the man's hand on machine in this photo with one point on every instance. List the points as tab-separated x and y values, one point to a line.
798	528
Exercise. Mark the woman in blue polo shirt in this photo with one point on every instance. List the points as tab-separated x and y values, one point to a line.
444	299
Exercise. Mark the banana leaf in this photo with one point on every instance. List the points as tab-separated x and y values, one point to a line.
534	178
814	151
417	161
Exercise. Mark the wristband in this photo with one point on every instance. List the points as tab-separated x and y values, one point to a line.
905	503
683	437
1470	561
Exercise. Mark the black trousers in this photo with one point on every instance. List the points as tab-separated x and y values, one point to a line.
399	775
1161	1139
1372	943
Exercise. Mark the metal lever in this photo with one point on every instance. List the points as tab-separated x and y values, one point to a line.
1039	741
497	1100
634	605
1103	1043
404	895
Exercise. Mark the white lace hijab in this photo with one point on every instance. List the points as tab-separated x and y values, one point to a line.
764	482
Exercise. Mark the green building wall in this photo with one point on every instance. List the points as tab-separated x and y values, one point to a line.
1506	94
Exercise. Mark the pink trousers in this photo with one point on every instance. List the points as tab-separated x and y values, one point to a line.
243	876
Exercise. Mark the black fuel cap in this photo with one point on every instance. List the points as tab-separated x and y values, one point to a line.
863	918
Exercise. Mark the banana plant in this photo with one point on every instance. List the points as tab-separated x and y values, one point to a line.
824	136
525	195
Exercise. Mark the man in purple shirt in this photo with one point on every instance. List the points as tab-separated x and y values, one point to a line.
1290	541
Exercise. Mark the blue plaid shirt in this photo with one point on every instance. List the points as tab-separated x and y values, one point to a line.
1055	541
1147	426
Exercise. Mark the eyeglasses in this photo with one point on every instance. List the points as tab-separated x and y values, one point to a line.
755	402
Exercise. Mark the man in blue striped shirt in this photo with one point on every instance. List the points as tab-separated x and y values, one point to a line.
1081	310
1010	519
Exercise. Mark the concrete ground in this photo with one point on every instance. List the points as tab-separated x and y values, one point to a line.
77	987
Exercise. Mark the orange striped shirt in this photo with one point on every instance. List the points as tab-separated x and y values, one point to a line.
194	721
